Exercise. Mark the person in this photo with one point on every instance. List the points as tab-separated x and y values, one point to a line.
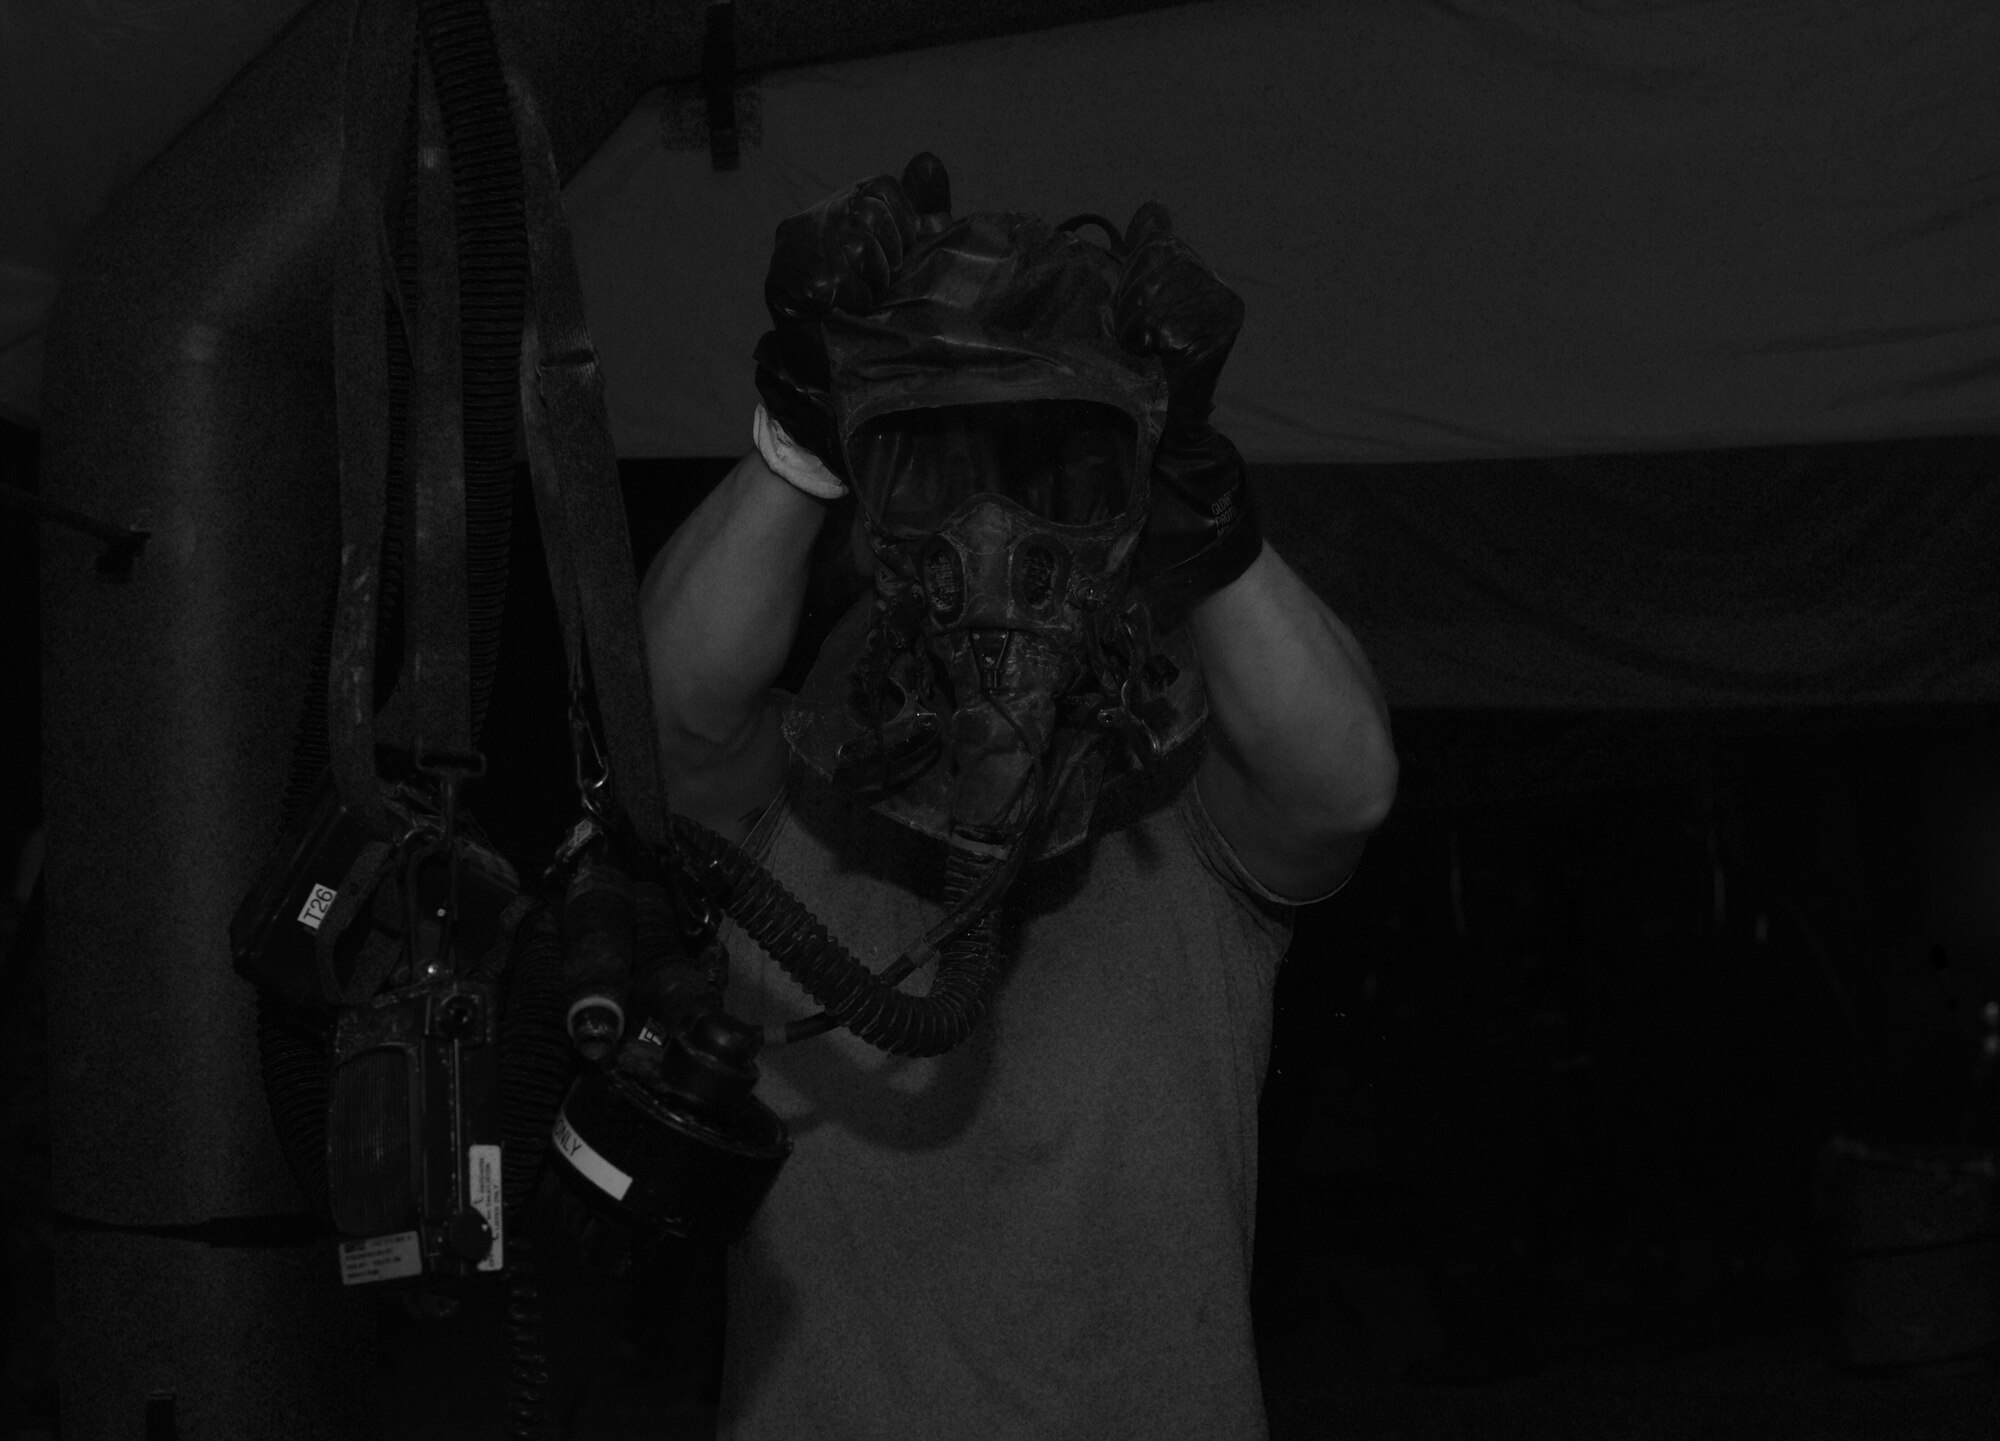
1044	1231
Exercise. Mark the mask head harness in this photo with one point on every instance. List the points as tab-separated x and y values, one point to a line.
998	439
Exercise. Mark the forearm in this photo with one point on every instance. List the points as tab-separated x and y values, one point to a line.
719	608
1295	707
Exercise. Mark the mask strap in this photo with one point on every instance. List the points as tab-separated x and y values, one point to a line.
1076	222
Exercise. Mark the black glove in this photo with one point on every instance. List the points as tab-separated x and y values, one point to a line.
1200	532
841	255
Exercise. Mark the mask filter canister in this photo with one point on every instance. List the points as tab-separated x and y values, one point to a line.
668	1144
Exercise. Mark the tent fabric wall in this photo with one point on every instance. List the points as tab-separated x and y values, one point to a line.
1464	228
90	91
1847	575
1461	230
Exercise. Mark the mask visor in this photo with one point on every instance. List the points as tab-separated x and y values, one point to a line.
1069	462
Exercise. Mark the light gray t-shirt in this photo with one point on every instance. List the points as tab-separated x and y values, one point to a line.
1045	1234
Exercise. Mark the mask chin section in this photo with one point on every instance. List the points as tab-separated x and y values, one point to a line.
1008	683
989	653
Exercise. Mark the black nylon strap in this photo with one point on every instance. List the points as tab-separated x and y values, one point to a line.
432	707
374	863
575	473
380	53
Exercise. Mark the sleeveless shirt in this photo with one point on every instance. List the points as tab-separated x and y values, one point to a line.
1044	1234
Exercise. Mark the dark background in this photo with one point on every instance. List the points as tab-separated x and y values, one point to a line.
1548	1079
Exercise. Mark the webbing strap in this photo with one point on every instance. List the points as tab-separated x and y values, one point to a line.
375	862
432	707
381	50
431	711
575	472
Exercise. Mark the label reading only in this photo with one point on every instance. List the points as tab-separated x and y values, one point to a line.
317	905
380	1258
483	1187
598	1171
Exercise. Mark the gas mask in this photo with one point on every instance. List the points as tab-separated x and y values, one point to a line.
998	440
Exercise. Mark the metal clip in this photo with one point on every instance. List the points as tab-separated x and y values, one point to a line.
581	835
593	772
451	769
700	916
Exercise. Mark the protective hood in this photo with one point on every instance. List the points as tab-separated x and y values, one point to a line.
999	440
996	309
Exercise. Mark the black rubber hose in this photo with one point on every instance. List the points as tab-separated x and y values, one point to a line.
852	995
295	1054
491	215
535	1065
535	1071
527	1358
294	1059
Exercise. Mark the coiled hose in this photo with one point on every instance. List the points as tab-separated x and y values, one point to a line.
292	1057
968	963
527	1360
490	214
964	942
534	1073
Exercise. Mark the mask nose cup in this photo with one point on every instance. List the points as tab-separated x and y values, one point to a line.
989	648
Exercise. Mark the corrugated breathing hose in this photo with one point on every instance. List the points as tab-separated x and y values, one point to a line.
534	1073
490	214
869	1005
964	942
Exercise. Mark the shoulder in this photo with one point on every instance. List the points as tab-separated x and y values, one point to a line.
1187	797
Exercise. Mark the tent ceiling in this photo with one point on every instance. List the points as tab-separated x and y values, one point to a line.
89	93
1465	229
774	34
1466	232
1474	229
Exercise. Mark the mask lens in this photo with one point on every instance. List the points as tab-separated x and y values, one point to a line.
1066	461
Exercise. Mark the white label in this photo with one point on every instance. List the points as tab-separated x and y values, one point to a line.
317	905
483	1185
598	1171
380	1258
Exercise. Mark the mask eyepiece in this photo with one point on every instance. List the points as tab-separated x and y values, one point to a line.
943	580
1035	567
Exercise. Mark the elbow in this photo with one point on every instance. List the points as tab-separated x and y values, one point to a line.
1385	775
1343	804
1363	789
1339	788
1361	809
1368	813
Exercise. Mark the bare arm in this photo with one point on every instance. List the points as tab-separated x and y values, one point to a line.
719	608
1300	767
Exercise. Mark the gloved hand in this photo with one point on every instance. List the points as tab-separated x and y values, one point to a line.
841	255
1200	532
